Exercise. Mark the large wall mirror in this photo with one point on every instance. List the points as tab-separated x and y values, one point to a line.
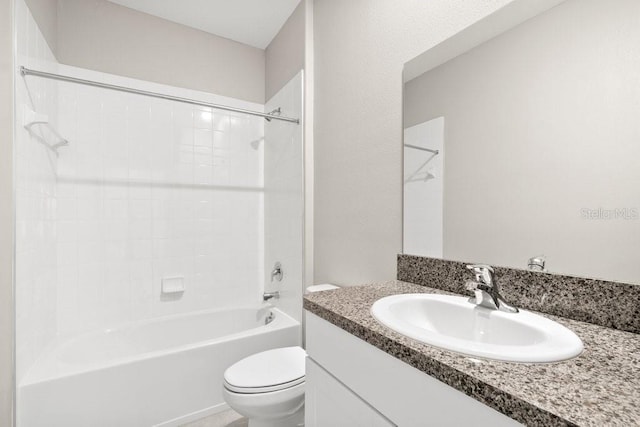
526	145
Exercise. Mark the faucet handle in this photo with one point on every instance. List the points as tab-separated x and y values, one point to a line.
537	263
277	272
480	267
481	292
473	285
483	273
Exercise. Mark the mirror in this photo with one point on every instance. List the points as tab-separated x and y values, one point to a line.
527	145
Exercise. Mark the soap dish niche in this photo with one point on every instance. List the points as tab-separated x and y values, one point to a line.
173	286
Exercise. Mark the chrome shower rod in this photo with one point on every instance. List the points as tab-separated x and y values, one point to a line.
422	148
28	72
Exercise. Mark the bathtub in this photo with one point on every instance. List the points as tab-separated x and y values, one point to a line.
161	372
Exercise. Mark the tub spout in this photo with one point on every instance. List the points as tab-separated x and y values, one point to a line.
268	295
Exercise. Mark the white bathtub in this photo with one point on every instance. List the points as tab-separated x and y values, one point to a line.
163	372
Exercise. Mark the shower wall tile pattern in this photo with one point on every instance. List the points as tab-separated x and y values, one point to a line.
146	189
35	194
151	188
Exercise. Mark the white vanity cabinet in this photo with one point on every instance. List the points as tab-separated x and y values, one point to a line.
329	403
352	383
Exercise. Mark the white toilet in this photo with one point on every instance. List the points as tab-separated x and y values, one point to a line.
268	387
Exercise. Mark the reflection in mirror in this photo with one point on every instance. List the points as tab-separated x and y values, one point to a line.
423	189
538	142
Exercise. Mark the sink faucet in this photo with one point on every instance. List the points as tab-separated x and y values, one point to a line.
486	289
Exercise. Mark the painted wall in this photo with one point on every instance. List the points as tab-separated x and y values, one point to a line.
45	13
541	123
308	124
285	54
6	213
100	35
360	49
281	60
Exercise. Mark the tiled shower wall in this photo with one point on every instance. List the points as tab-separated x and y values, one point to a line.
35	199
146	189
151	189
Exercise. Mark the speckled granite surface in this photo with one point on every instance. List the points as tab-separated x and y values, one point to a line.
611	304
601	387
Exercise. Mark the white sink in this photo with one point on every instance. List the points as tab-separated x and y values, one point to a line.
455	324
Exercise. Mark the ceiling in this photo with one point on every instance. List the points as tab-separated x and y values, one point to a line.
252	22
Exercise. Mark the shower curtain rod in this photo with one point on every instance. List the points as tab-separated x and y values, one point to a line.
270	116
423	148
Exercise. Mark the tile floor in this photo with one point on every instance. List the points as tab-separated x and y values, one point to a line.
228	418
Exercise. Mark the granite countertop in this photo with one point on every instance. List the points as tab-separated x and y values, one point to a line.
600	387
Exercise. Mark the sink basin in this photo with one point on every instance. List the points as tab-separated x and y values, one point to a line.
453	323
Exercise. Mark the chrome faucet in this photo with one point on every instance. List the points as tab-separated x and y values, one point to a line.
537	263
277	273
268	295
487	292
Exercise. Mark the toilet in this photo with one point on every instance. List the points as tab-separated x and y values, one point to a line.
268	387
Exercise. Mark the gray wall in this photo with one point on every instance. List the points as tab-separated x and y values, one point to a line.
104	36
541	122
6	212
360	49
45	12
285	54
74	28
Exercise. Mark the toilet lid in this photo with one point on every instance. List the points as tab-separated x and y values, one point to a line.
267	371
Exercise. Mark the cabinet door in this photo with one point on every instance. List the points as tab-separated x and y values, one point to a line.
405	395
328	403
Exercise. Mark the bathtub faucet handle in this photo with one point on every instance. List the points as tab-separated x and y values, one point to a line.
268	295
277	273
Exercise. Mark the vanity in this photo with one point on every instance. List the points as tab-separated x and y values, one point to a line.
352	382
362	373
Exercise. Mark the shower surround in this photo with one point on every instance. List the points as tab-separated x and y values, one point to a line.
151	189
147	189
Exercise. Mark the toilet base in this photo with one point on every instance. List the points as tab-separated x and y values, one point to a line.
294	420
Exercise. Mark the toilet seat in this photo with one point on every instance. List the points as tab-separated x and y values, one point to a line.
267	389
268	371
